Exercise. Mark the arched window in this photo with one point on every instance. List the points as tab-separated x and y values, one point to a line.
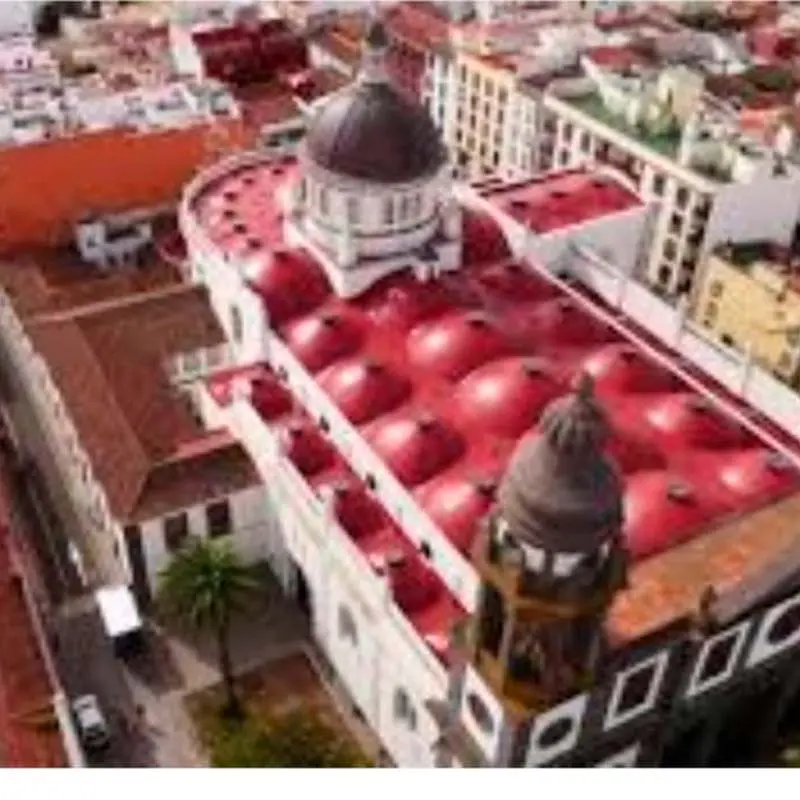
416	205
347	626
237	328
405	208
353	211
324	202
388	211
403	709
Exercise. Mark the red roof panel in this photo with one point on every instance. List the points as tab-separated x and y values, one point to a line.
433	377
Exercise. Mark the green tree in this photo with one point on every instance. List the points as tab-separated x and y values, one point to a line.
300	739
206	585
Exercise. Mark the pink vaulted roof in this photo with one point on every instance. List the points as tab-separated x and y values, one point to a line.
559	200
444	378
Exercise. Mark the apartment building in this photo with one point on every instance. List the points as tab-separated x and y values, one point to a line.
693	159
668	106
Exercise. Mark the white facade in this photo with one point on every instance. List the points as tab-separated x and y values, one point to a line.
687	199
388	670
18	17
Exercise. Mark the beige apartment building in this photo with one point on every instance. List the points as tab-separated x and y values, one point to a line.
749	298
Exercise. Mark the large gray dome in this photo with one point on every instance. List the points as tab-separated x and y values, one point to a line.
370	131
560	492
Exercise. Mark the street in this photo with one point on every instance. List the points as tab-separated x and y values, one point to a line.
142	699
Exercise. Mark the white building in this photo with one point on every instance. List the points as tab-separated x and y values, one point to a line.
711	182
396	336
104	367
33	113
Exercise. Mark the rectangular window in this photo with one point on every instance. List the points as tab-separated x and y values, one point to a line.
388	211
218	519
492	621
353	216
176	531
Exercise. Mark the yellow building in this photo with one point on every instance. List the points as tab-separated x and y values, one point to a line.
749	296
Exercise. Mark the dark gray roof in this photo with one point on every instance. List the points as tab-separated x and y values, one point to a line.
560	492
371	132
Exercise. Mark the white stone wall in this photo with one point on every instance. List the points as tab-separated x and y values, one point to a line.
184	52
18	16
766	210
252	524
385	657
378	221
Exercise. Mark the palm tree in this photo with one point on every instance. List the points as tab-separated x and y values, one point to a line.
206	584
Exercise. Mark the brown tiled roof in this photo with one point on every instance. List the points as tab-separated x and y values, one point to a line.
212	467
29	731
48	280
420	24
323	81
109	362
668	587
339	46
267	103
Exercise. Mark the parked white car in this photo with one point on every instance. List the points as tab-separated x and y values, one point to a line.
92	726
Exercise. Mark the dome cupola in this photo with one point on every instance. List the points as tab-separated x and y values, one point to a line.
369	131
560	492
374	190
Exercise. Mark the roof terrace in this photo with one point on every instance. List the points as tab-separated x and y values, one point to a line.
591	104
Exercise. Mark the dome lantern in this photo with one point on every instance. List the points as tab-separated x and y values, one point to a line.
375	48
560	492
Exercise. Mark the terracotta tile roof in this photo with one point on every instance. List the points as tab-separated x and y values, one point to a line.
340	46
29	733
267	103
41	280
419	24
109	362
669	586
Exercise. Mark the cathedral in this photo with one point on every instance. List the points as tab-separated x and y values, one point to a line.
525	535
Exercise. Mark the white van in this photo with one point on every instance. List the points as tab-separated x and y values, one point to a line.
121	619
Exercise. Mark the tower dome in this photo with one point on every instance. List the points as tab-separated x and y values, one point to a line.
560	492
370	132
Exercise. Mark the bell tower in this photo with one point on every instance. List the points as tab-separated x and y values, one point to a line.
550	560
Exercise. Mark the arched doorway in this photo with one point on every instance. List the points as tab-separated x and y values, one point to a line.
302	592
